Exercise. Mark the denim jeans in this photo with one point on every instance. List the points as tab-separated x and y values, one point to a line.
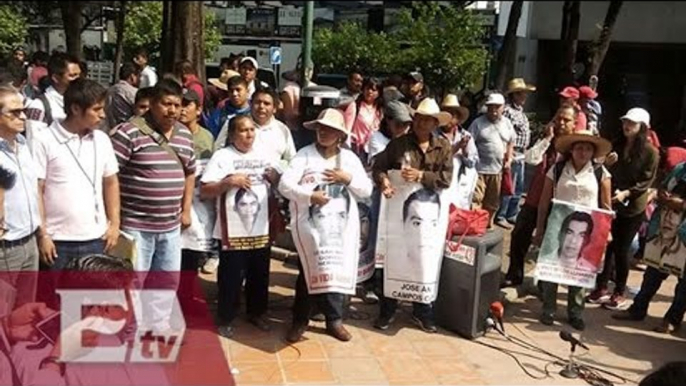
69	250
509	205
157	251
652	280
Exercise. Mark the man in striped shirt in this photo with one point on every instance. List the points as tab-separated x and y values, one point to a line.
157	174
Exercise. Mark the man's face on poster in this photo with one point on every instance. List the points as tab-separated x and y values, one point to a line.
420	227
574	240
364	230
330	220
247	206
669	223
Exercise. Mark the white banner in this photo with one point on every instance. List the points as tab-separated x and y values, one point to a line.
198	237
327	237
365	265
411	239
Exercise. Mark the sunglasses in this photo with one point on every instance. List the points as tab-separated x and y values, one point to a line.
16	112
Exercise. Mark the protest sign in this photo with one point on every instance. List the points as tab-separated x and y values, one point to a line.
665	248
198	236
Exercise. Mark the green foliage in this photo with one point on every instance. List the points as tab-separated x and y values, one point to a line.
13	29
143	28
444	43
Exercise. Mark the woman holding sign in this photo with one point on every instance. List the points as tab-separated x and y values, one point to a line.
324	183
579	181
238	176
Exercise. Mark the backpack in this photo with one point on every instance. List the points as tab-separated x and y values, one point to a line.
47	115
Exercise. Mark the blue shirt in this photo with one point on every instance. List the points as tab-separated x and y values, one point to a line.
22	217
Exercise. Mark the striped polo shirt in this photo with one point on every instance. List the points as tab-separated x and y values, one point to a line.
152	180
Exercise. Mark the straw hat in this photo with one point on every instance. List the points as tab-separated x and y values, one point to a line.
223	80
332	118
451	103
429	107
565	143
518	84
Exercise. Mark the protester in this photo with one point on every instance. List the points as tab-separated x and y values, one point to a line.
237	104
575	179
157	173
396	121
517	94
368	113
76	163
543	155
413	89
632	176
185	71
20	218
353	86
218	90
424	158
494	138
248	70
226	173
667	226
121	98
591	108
49	107
570	95
340	170
19	55
142	101
38	69
148	74
290	99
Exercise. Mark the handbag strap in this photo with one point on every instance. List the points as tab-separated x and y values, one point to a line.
143	126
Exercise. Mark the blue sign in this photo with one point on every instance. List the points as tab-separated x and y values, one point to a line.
275	55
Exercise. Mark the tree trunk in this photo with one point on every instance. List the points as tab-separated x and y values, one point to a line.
506	55
166	44
185	30
601	45
73	21
121	16
570	31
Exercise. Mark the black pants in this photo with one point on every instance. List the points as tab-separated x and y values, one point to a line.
330	304
190	262
624	230
520	242
253	265
389	306
652	280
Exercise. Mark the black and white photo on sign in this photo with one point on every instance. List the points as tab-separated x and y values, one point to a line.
365	265
198	236
412	234
665	248
247	211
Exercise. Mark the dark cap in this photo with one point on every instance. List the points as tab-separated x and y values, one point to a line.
191	96
398	111
415	76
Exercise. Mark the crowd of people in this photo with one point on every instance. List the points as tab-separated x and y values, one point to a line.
157	160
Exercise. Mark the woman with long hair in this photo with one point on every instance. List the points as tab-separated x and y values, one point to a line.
368	116
632	176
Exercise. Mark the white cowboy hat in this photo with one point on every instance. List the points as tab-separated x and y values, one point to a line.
518	84
429	107
451	103
223	80
332	118
565	143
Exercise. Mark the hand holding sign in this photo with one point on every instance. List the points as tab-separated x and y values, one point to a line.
240	181
319	198
411	174
337	176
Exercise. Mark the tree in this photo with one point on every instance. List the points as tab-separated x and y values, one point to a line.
73	23
506	55
185	32
13	29
119	52
569	36
600	46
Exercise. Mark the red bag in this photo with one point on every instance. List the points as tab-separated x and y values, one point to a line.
467	222
507	186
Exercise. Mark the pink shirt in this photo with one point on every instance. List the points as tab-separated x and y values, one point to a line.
73	169
367	121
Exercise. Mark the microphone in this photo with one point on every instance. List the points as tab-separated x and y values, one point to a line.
498	311
490	324
568	337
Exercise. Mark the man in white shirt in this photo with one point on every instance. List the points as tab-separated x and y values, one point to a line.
494	138
272	136
148	74
49	107
78	184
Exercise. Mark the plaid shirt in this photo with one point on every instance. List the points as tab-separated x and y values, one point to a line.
521	125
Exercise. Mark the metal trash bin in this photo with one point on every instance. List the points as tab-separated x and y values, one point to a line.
469	283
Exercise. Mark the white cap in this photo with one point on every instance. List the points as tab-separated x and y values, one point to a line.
638	115
495	99
251	60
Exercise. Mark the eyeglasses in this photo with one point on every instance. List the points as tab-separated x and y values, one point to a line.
16	112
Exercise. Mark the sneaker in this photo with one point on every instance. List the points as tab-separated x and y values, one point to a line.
383	323
370	298
425	325
503	224
210	266
598	296
616	303
226	331
546	319
577	324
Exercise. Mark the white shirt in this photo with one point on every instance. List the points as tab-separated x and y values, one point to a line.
377	143
275	143
148	77
578	188
35	114
491	140
73	169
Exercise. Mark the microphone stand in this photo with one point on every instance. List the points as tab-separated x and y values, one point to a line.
570	370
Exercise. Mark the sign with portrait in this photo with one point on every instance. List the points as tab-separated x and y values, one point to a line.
327	236
246	211
666	248
365	265
198	236
574	245
411	238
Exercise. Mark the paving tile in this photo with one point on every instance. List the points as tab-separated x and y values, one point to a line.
356	348
387	346
357	371
306	350
436	349
257	351
406	368
258	373
308	372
